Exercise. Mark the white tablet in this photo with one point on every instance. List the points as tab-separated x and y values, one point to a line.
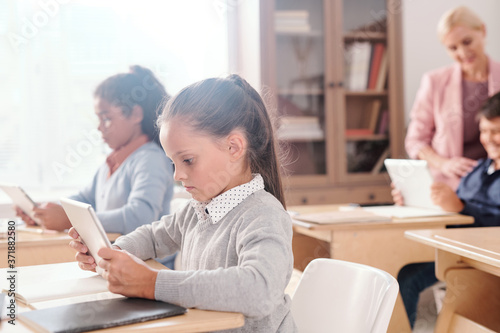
86	223
414	180
20	199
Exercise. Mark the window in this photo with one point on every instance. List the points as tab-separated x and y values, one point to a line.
54	53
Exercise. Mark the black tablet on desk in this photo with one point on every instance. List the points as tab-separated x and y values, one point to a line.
99	314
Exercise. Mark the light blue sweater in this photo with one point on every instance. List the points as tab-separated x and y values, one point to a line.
137	193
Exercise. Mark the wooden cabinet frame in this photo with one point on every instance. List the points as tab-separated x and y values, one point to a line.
337	185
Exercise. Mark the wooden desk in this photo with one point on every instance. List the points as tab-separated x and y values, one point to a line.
35	248
193	321
469	261
378	244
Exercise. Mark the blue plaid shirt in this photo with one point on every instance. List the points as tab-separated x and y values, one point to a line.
480	192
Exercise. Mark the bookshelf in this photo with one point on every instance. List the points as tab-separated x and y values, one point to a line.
334	70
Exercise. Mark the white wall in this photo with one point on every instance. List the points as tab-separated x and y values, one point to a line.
422	50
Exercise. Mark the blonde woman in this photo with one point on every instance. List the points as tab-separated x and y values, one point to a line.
443	129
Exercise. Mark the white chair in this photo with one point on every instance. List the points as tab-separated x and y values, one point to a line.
345	297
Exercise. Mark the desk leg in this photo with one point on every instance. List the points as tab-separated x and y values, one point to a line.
472	297
307	248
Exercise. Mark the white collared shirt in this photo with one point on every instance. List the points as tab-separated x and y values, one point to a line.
222	204
491	168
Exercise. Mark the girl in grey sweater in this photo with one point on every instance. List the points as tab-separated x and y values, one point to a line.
235	235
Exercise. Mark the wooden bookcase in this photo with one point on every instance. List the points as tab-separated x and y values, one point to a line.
313	63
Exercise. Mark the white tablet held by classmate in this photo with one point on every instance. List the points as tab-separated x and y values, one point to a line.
413	179
83	218
20	199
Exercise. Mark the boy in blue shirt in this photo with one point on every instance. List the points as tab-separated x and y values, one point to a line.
478	195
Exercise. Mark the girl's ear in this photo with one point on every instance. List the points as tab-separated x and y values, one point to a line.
137	114
236	145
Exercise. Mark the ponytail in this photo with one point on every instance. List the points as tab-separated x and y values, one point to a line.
263	146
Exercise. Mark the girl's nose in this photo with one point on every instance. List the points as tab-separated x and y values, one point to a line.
179	175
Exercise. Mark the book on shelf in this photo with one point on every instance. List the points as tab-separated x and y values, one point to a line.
292	21
299	120
357	64
365	66
383	124
295	14
382	73
373	113
300	128
376	60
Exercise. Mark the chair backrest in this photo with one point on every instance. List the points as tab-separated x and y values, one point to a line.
340	296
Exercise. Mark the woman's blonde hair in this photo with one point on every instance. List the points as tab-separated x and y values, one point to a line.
458	16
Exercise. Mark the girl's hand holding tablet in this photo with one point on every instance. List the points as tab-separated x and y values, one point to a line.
126	274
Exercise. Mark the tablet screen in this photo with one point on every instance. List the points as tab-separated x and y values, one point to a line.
20	199
413	179
86	223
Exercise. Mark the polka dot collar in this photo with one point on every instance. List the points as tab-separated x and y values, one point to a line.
222	204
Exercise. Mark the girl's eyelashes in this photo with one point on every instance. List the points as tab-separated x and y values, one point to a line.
188	161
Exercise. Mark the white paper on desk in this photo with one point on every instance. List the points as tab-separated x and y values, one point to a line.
49	290
76	299
44	282
341	216
404	211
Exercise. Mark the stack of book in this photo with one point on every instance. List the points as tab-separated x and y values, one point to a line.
300	128
292	21
365	66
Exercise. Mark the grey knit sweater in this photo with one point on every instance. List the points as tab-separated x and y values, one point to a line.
242	263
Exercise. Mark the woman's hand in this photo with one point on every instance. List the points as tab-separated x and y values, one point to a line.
25	217
85	261
443	196
397	197
127	274
52	216
457	166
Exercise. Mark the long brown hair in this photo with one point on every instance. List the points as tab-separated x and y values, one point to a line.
138	87
217	106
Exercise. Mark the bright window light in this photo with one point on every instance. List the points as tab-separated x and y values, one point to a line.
54	53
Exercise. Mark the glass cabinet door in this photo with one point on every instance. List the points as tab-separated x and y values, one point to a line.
365	86
298	27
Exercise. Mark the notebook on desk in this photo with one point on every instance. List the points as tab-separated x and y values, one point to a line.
341	216
413	179
100	314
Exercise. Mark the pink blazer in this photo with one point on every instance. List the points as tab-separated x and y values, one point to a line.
436	118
